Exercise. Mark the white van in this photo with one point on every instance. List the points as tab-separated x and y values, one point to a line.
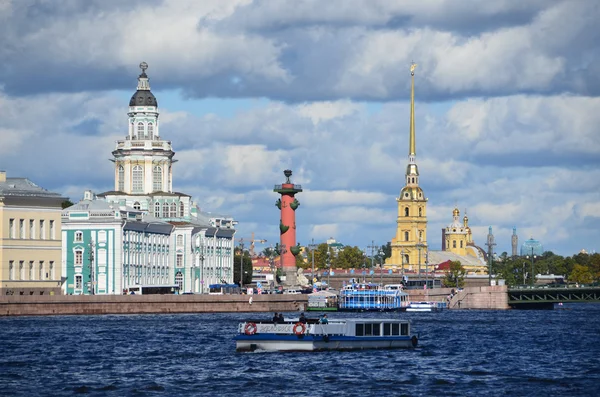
291	292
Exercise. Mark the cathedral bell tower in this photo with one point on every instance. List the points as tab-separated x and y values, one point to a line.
409	247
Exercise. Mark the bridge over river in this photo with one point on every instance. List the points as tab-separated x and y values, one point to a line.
544	297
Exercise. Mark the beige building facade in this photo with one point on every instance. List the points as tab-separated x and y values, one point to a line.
30	238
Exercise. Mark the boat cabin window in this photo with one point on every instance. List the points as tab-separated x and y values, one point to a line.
368	329
395	329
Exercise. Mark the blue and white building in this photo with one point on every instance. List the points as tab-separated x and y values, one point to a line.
145	208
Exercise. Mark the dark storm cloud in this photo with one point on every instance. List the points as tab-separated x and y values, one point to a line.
302	51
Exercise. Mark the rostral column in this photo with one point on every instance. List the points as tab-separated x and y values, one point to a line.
287	227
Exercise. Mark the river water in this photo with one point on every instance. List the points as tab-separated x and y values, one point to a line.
460	353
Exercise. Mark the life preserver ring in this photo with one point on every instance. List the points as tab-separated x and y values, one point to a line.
299	328
250	328
414	341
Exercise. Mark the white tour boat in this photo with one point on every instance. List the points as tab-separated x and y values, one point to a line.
337	334
426	306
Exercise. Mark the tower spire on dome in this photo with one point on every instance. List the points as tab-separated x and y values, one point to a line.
412	171
143	83
413	145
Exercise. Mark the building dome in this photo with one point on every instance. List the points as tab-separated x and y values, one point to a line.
532	246
143	98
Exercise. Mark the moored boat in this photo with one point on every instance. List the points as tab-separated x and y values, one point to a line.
371	297
337	334
426	306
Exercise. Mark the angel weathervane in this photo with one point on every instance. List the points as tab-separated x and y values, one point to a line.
413	66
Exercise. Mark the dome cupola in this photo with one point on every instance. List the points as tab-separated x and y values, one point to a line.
143	96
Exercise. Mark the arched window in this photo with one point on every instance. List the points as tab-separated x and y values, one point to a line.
137	205
405	236
150	130
138	179
181	209
157	210
140	130
179	240
121	178
454	244
420	211
461	244
405	211
173	210
165	213
157	179
179	280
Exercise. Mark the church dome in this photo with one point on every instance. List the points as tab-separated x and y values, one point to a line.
532	246
143	98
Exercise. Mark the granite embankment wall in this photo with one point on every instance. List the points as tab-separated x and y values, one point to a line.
31	305
27	305
495	297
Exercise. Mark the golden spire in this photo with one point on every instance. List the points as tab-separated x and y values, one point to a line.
413	149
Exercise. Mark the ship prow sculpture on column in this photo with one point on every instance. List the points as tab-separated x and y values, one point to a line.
287	248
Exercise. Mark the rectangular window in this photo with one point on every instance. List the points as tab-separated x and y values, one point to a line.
11	270
368	329
21	270
31	229
41	271
179	260
22	228
78	258
31	270
78	281
52	231
360	330
52	270
395	329
11	228
404	329
387	329
376	329
42	229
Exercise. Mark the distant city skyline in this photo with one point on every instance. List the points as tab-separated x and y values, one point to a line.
506	109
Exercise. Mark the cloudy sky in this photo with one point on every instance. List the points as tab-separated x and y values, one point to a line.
507	111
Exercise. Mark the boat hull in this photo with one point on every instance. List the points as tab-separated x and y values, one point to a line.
320	343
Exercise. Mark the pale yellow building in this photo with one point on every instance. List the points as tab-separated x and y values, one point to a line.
457	235
409	246
30	238
458	245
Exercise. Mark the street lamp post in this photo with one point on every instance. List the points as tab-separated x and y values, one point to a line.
426	270
532	273
524	264
312	247
402	262
380	268
242	264
420	246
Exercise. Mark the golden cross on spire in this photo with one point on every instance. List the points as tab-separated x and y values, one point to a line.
413	66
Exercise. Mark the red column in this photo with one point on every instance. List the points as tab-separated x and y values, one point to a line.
287	224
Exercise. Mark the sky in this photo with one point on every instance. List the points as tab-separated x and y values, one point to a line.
507	108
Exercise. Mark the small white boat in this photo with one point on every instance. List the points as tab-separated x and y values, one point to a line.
337	334
426	306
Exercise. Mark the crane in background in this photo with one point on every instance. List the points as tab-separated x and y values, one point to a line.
252	241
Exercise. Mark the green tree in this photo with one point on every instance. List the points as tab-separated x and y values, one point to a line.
247	266
66	204
580	274
455	275
349	258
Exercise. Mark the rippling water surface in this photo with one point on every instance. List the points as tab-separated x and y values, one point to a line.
460	353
